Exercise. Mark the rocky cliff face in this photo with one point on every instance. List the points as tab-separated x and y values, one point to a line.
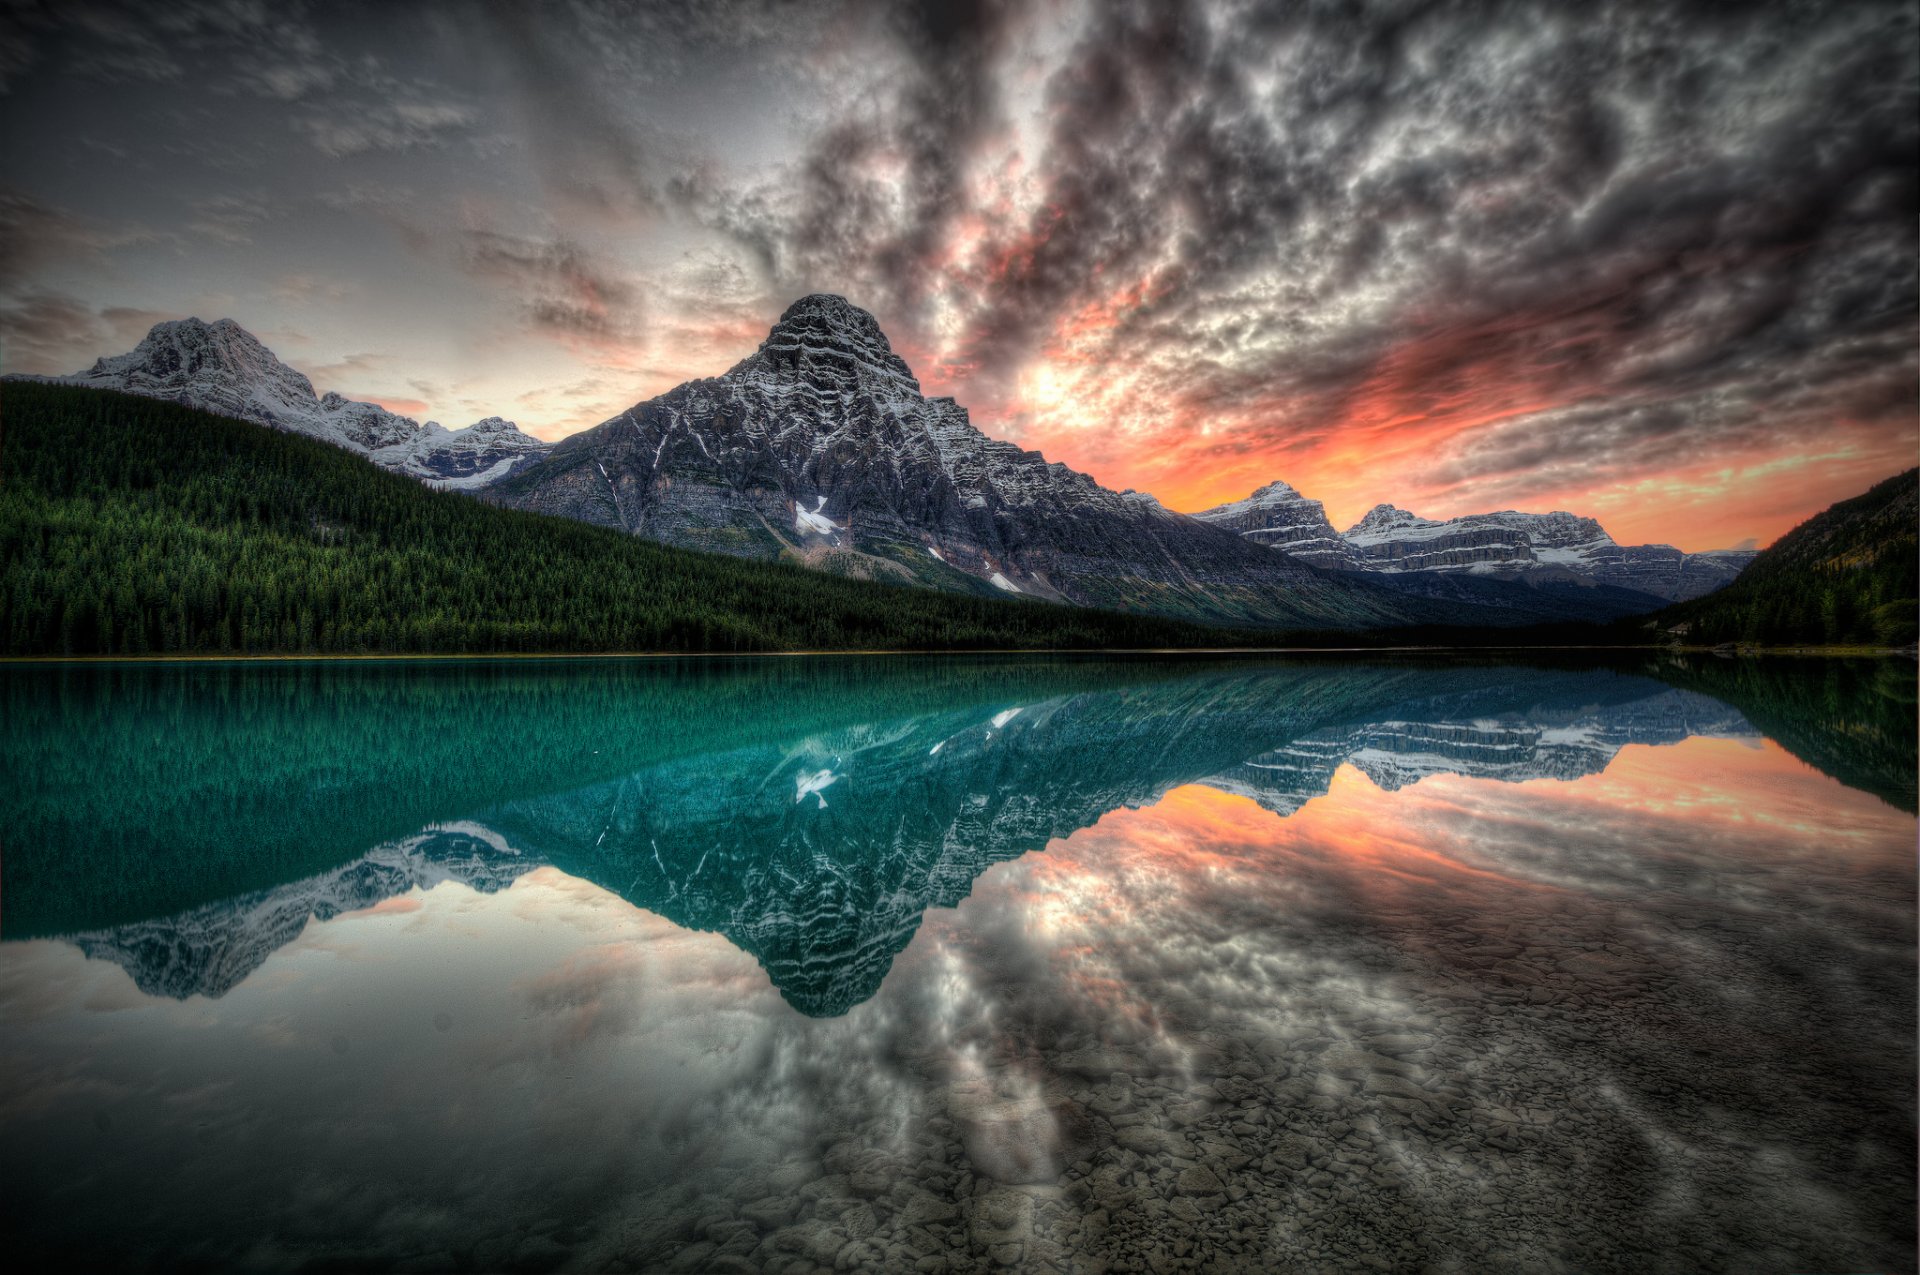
1279	517
821	447
1560	547
221	367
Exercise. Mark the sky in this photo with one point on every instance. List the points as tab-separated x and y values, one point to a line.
1656	263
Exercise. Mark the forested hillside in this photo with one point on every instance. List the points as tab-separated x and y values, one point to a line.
1848	576
131	526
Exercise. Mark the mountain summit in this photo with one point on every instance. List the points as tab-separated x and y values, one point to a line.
220	367
821	447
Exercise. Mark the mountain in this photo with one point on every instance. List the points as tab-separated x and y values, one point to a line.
1849	575
1555	548
130	525
821	448
819	850
222	368
1853	718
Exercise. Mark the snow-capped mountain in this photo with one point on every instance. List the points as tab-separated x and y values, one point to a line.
1564	742
1279	517
221	367
1507	545
820	855
209	950
821	447
465	459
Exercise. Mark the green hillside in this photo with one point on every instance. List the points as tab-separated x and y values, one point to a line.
1849	576
132	526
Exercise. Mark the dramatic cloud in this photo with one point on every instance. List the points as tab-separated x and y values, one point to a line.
1453	256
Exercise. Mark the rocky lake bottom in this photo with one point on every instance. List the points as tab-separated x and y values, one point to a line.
1254	969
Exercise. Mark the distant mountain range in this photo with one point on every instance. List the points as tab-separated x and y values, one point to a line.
134	526
221	368
1848	575
1531	548
821	448
820	854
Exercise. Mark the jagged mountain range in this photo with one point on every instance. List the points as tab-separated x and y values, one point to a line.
1535	549
1849	575
821	447
222	368
820	855
209	950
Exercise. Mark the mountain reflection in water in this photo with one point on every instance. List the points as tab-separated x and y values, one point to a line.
1323	965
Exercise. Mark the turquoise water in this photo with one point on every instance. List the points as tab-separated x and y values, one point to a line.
870	963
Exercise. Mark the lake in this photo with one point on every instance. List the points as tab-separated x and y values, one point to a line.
940	965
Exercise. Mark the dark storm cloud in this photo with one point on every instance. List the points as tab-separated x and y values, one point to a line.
34	236
42	327
114	43
340	97
871	202
1676	215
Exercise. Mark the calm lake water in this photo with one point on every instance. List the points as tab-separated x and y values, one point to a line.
948	965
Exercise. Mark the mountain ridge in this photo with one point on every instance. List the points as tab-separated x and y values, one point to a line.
130	525
821	447
820	854
1848	575
222	368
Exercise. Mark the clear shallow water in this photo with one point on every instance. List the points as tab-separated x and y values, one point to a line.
948	965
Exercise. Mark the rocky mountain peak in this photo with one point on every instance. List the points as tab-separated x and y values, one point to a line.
829	311
1278	516
1556	529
